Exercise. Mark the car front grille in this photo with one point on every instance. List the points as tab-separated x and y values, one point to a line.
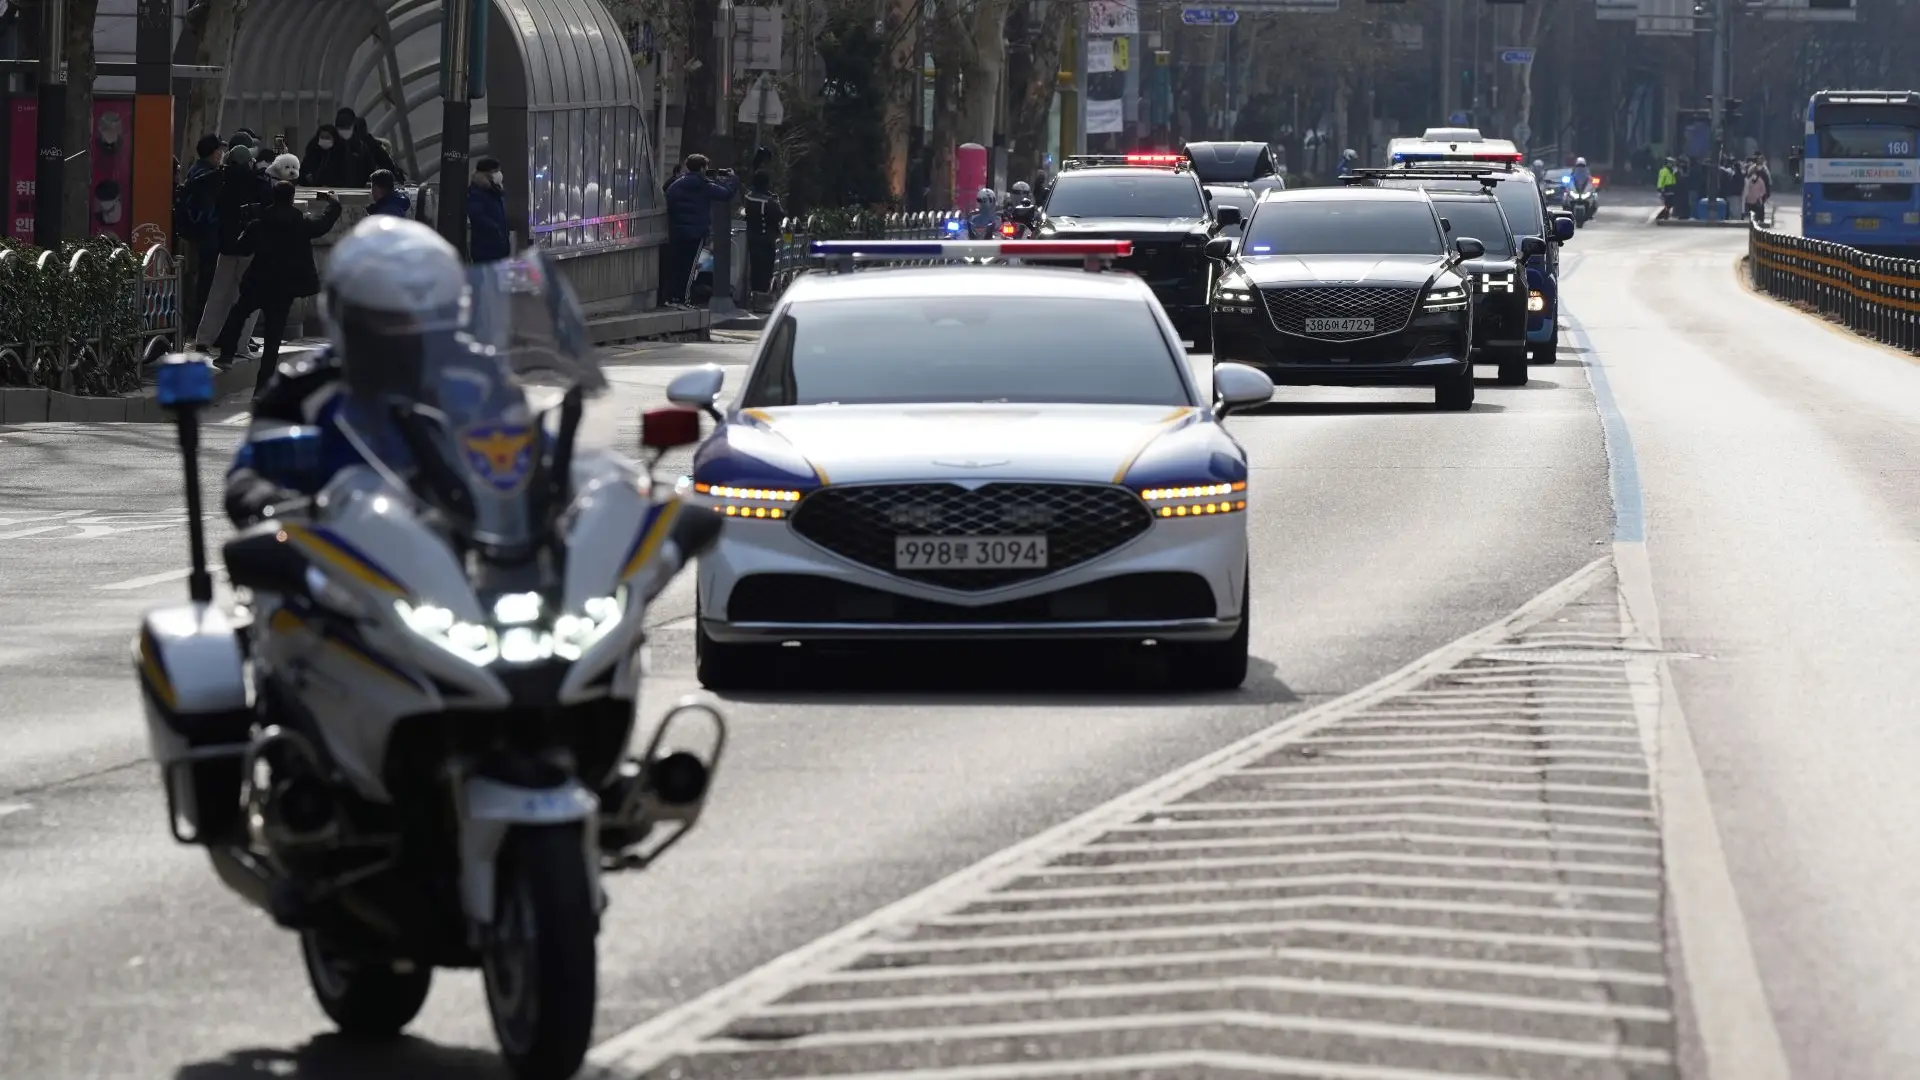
1290	308
1080	522
1153	259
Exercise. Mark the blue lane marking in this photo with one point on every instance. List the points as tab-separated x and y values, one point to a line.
1623	469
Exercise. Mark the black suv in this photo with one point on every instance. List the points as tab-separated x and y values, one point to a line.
1160	207
1353	286
1498	278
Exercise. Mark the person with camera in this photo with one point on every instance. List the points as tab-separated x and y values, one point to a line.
282	270
690	202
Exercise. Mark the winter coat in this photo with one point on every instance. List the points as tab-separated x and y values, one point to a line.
487	218
281	243
395	204
765	216
690	202
240	198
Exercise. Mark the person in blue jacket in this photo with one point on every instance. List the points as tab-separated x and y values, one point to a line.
385	196
487	213
690	200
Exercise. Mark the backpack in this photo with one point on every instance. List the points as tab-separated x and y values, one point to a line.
194	214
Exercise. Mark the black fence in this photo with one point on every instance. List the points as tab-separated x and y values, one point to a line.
1874	295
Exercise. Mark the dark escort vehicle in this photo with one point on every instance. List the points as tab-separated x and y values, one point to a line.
1249	165
1155	201
1498	278
1349	286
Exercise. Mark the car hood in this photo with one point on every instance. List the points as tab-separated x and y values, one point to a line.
1122	228
853	444
1410	271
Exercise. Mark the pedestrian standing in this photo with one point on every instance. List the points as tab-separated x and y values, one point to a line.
491	237
690	200
1759	188
766	219
197	219
282	271
384	195
241	195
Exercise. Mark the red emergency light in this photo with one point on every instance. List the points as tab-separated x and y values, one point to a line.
1155	159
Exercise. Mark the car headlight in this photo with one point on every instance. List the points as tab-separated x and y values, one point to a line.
747	502
476	644
1196	500
1233	288
1445	298
1536	302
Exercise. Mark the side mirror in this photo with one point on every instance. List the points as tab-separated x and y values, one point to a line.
1563	228
1469	248
699	388
1220	248
1237	386
264	559
1532	247
1228	216
669	427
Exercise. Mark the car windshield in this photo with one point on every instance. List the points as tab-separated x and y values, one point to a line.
1133	195
1342	227
1481	220
911	350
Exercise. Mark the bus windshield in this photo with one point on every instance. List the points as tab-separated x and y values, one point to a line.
1878	140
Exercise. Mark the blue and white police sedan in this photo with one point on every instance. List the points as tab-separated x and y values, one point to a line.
973	452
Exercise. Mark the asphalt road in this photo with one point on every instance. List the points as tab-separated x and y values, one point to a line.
1776	460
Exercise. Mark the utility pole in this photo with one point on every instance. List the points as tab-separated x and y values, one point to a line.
1073	88
721	302
463	78
50	173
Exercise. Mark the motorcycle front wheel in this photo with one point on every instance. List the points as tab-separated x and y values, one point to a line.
540	968
366	999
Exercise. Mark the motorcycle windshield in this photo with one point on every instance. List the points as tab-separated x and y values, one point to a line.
484	395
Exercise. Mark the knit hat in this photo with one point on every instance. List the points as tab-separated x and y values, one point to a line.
285	167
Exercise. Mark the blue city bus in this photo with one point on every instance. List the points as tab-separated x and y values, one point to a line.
1860	177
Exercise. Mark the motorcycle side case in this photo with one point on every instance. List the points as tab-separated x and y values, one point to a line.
193	688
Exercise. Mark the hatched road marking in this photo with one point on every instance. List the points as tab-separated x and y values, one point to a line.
1437	875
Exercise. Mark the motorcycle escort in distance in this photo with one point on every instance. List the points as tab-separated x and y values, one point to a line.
407	742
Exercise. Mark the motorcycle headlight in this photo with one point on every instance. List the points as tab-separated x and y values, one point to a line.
1233	287
573	635
1445	298
476	644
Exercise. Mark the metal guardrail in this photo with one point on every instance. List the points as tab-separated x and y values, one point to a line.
78	353
790	256
1877	296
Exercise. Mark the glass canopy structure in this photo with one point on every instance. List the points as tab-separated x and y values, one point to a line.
564	110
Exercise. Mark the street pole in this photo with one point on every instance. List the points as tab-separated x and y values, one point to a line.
1720	80
1447	80
50	172
721	302
460	71
1085	82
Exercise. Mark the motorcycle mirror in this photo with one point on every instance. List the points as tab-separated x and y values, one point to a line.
264	559
1220	247
669	427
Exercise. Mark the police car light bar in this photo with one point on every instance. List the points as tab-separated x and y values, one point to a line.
971	249
1155	159
1405	158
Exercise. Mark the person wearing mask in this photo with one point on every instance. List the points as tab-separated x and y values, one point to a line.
1668	182
196	215
355	153
325	163
282	271
1758	188
690	200
765	220
241	194
490	236
386	196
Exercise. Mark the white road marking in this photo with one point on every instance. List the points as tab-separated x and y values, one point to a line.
7	809
1323	881
1304	1025
1395	836
1503	805
1469	821
1576	944
239	420
1291	903
1173	1063
1560	761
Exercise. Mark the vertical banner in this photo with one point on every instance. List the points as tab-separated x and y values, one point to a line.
110	194
21	163
150	193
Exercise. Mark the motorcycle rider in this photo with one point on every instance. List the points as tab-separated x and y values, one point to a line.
1349	161
1582	176
985	222
1019	198
393	286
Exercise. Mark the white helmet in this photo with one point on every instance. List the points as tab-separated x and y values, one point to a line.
1538	164
285	167
1579	163
391	284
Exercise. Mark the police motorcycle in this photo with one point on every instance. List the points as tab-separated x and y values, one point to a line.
408	740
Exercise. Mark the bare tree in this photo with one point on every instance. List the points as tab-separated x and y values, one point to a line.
213	26
76	197
1034	79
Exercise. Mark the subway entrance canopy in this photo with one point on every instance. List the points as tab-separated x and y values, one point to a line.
564	110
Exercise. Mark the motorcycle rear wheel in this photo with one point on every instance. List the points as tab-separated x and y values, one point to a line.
541	968
365	999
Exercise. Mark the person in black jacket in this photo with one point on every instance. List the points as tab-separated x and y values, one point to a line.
491	235
282	271
765	217
238	198
353	157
